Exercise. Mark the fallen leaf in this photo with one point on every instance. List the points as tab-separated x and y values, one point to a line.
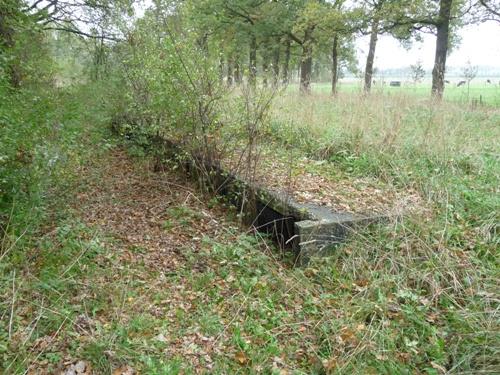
161	337
241	358
360	327
330	364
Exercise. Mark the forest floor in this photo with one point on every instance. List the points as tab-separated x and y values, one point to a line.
146	276
123	270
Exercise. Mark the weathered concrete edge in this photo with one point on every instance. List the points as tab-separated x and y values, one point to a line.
317	229
318	238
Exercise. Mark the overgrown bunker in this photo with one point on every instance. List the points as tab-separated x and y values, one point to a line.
307	229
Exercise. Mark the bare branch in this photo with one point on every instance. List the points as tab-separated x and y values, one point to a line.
82	33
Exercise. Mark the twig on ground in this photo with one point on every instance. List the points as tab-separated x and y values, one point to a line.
230	323
13	303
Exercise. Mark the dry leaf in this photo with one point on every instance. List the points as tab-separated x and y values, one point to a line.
161	337
330	364
241	358
360	327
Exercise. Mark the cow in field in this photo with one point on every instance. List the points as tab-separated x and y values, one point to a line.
488	81
395	83
446	81
461	83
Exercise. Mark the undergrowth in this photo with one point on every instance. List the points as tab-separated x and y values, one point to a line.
417	295
47	137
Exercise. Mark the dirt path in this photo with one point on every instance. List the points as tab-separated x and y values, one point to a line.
160	280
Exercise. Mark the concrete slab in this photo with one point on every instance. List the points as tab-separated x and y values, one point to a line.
309	229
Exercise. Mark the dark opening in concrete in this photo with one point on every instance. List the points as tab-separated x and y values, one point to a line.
280	227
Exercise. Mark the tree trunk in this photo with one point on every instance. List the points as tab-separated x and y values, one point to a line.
237	71
252	73
443	32
101	60
305	71
229	71
335	64
95	63
371	55
276	64
221	69
265	68
286	63
306	64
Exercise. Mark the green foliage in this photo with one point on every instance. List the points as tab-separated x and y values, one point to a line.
416	296
171	86
39	135
24	50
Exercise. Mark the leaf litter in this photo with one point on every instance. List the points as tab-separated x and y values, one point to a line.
177	282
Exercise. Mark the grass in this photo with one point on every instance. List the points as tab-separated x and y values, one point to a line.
130	268
478	92
446	152
385	122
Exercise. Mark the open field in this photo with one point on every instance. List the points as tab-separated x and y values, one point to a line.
488	94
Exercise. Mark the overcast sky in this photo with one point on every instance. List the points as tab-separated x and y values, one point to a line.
480	44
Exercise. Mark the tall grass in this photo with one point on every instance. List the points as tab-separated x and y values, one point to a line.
397	138
395	122
424	285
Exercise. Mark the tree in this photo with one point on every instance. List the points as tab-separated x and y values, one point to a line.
442	25
246	12
491	8
12	21
340	23
382	17
243	25
417	72
440	18
375	18
304	33
77	17
469	72
87	19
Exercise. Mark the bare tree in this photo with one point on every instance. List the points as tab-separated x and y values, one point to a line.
417	72
469	72
492	8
